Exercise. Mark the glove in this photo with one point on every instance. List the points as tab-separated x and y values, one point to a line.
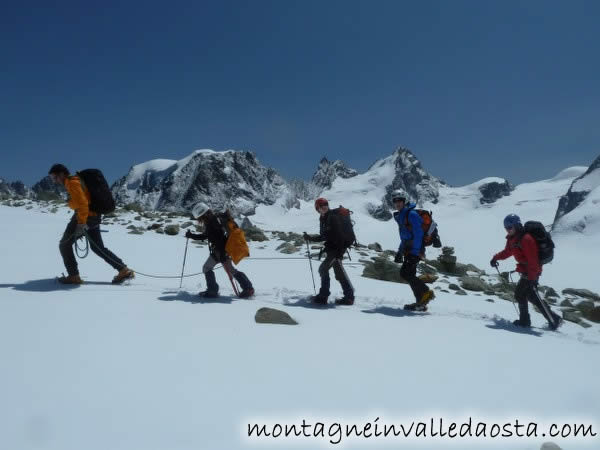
80	230
398	257
189	234
494	262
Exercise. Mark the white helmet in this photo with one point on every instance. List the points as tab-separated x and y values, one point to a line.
398	194
199	210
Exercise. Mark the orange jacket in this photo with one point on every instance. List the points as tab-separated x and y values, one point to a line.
79	198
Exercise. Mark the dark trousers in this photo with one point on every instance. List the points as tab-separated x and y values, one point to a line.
526	291
96	244
211	280
340	274
408	271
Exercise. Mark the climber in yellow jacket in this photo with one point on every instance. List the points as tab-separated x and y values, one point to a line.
226	243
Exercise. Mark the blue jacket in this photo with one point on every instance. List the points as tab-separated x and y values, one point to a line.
411	238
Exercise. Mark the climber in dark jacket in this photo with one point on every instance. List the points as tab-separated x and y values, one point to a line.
329	232
215	234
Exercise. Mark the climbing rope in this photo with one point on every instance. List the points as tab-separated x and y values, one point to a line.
85	251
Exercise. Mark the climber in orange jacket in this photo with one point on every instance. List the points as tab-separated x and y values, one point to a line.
85	221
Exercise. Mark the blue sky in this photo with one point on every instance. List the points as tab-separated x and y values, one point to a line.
473	88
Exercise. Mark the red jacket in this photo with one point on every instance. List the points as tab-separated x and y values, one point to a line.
525	250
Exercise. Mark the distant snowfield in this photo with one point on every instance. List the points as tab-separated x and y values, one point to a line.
147	366
475	231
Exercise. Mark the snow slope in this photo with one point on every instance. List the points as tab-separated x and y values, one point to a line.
475	230
578	208
147	366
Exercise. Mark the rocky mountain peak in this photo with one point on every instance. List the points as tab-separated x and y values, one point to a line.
412	178
328	171
232	179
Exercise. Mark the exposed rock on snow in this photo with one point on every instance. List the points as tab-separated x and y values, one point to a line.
381	268
494	190
585	293
379	212
273	316
578	208
255	234
473	284
328	171
550	446
172	230
287	248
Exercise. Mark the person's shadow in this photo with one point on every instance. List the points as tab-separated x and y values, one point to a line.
43	285
306	303
394	312
502	324
184	296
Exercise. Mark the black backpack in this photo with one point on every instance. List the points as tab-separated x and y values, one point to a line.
543	239
101	199
345	227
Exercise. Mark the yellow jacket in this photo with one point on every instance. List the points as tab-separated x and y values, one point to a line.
79	198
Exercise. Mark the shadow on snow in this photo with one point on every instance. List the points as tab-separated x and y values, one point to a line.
503	324
43	285
394	312
184	296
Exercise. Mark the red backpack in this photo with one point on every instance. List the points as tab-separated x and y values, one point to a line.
429	226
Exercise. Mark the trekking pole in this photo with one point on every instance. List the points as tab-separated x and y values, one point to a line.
311	268
184	258
235	288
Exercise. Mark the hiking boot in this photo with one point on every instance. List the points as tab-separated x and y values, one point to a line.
426	298
522	323
247	293
319	299
71	279
209	294
124	274
345	301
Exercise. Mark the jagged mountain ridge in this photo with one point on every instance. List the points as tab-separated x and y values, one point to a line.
234	179
239	181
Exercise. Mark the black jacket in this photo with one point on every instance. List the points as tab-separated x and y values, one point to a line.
214	232
330	233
